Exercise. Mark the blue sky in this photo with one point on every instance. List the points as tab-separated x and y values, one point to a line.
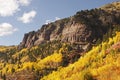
18	17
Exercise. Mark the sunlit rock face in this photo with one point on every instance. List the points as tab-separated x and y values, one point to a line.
83	29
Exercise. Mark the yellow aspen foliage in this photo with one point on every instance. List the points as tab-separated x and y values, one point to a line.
95	64
102	62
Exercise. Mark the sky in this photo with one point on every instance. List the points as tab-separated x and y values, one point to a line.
18	17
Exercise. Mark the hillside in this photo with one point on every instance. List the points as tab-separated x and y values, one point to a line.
115	6
97	64
85	46
84	28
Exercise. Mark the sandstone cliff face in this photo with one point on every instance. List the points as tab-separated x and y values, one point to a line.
83	29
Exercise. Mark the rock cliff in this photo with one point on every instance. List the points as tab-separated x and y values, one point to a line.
83	29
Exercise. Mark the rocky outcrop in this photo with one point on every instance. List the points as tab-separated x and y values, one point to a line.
83	29
68	32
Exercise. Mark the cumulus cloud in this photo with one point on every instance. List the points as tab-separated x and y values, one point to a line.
24	2
28	17
9	7
6	29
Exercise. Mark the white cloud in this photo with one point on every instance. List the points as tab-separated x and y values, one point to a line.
57	18
24	2
49	21
6	29
27	17
9	7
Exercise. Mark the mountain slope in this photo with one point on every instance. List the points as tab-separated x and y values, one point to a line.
84	28
115	6
95	65
85	46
